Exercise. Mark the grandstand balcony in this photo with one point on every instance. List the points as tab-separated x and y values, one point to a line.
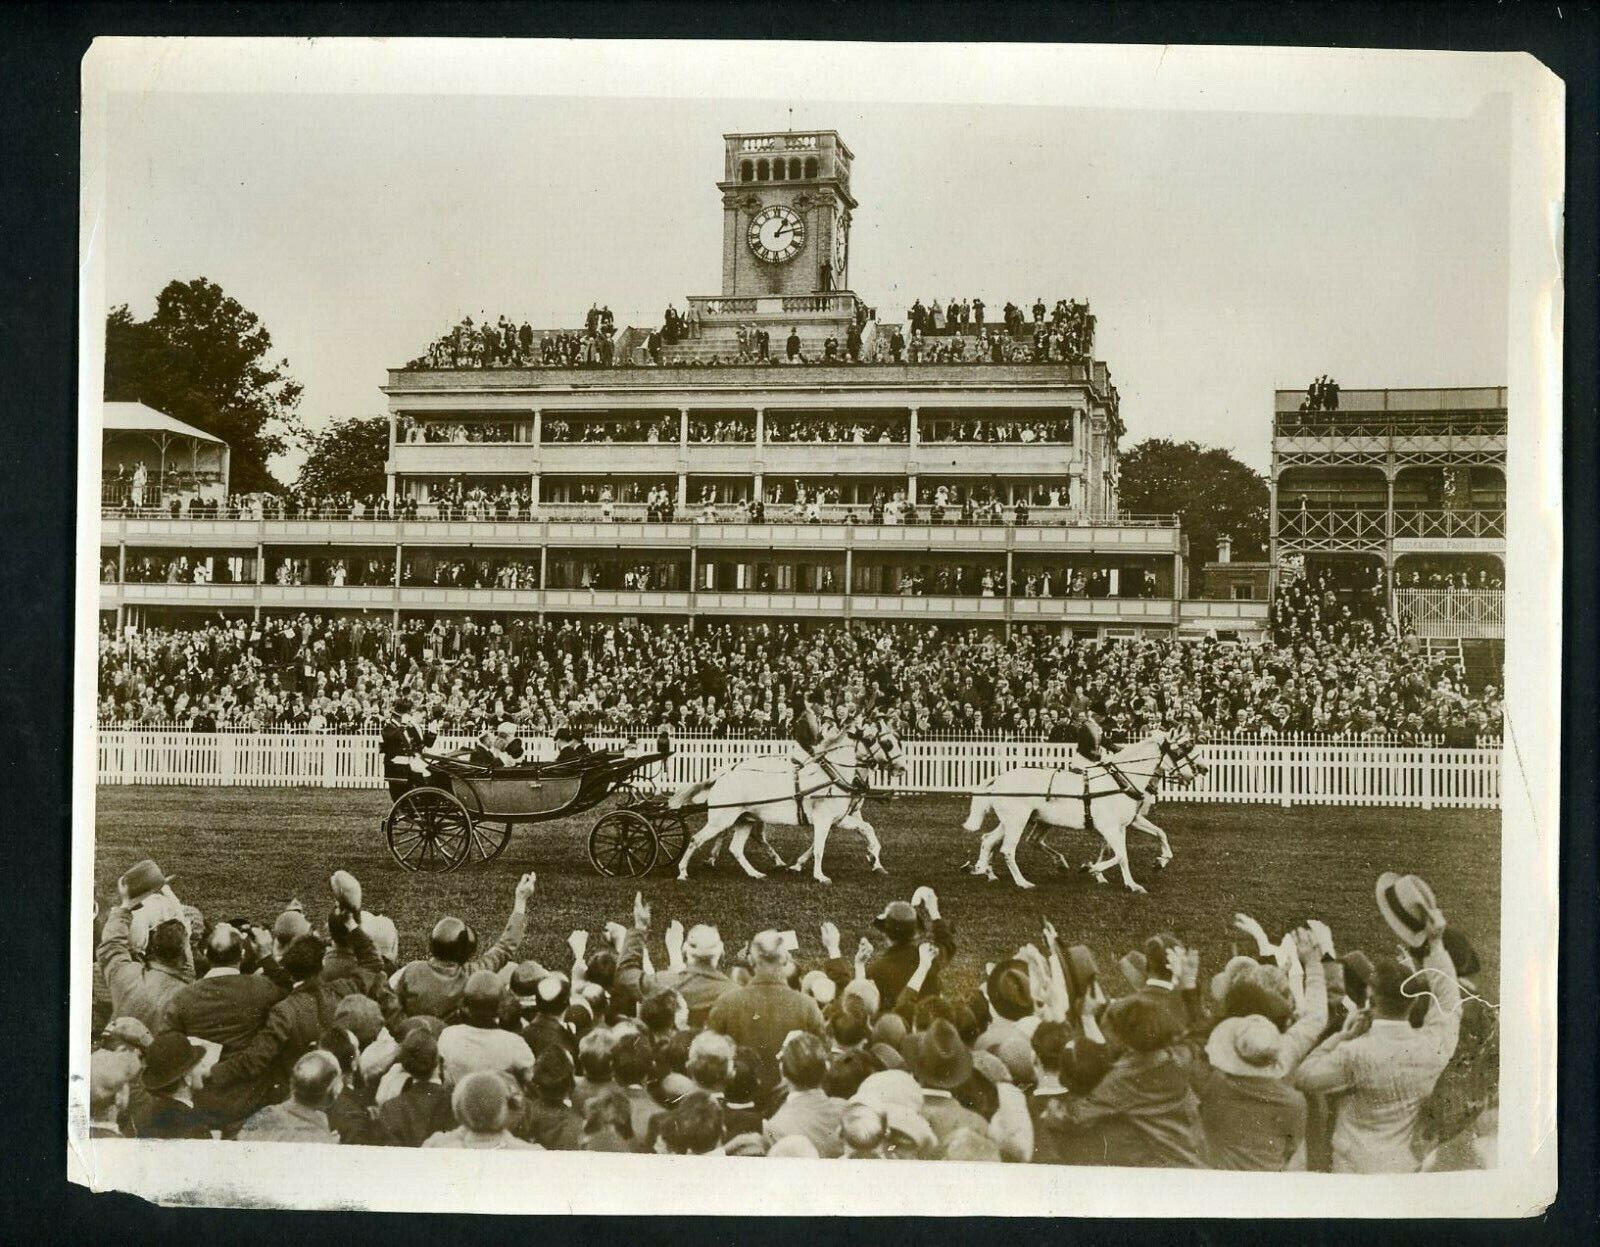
579	524
1118	616
1332	530
1452	614
1450	524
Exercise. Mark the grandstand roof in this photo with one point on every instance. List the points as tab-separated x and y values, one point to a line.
137	418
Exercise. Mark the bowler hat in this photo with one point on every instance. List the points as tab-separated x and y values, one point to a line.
1406	903
169	1057
1010	994
143	878
937	1057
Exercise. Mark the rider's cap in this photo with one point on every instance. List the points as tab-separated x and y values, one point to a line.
898	920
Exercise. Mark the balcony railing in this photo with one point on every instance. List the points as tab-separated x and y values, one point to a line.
712	308
1332	527
1450	523
1464	614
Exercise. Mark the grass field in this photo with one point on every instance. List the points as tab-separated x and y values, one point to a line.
247	851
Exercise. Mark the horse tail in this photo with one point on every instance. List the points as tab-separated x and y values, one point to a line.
982	803
691	794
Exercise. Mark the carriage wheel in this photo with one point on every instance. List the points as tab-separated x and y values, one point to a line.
428	830
672	836
622	843
487	841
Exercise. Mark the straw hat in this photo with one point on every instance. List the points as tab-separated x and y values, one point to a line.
1407	904
1251	1047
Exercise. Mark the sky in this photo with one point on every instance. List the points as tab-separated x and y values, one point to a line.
1225	254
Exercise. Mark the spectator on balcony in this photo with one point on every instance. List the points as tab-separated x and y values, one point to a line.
792	346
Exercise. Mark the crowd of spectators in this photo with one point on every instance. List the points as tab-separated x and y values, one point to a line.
455	432
505	344
1321	395
826	429
337	572
477	573
1056	430
743	680
1291	1055
718	430
653	429
1448	578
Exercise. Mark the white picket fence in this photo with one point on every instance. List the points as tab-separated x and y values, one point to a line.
1283	774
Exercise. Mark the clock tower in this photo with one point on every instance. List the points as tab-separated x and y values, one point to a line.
786	208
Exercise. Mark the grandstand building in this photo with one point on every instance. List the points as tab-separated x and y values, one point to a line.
771	453
1406	487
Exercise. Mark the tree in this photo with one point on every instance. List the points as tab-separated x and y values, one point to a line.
346	458
1210	490
203	358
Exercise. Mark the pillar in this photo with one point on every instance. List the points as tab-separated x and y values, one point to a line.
533	491
122	563
916	431
544	567
1114	578
261	564
1272	533
398	563
1178	591
761	428
911	488
538	427
683	429
760	487
683	491
1010	554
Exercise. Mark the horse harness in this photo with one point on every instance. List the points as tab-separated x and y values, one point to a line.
1124	785
857	787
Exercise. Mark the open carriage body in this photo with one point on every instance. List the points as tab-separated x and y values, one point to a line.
463	813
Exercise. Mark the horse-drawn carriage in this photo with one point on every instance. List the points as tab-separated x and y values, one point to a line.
463	812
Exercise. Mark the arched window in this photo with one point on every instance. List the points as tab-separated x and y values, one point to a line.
761	170
794	169
778	170
811	166
746	171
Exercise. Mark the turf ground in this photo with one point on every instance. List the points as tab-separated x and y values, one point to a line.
247	851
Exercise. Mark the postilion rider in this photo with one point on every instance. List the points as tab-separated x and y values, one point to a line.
808	731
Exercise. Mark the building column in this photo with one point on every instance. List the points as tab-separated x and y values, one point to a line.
761	429
544	577
683	491
122	564
538	427
1010	571
261	564
849	571
1272	533
683	429
533	491
1114	578
398	563
911	488
916	429
760	486
1178	591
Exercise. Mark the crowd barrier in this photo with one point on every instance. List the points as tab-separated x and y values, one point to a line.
1256	772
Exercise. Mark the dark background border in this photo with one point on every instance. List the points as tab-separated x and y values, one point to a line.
40	51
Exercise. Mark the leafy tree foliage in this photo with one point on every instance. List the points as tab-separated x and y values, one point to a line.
204	358
1207	487
347	457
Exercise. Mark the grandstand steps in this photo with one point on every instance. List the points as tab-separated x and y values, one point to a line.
1446	649
722	340
1485	662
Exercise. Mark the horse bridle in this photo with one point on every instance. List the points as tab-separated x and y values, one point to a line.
1182	759
874	742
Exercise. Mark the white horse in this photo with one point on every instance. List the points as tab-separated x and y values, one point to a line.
776	789
1120	790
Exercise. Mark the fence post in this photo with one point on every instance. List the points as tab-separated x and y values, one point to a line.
1427	781
1284	772
227	760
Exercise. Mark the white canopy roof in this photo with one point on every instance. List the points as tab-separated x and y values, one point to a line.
137	418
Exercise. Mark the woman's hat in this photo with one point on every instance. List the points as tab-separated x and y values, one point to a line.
169	1057
143	878
937	1058
1406	903
1251	1047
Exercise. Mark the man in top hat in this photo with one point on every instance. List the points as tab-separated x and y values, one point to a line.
175	1068
140	989
903	923
1384	1068
1091	734
402	740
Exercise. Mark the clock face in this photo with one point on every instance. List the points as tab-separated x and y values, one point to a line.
841	241
777	234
